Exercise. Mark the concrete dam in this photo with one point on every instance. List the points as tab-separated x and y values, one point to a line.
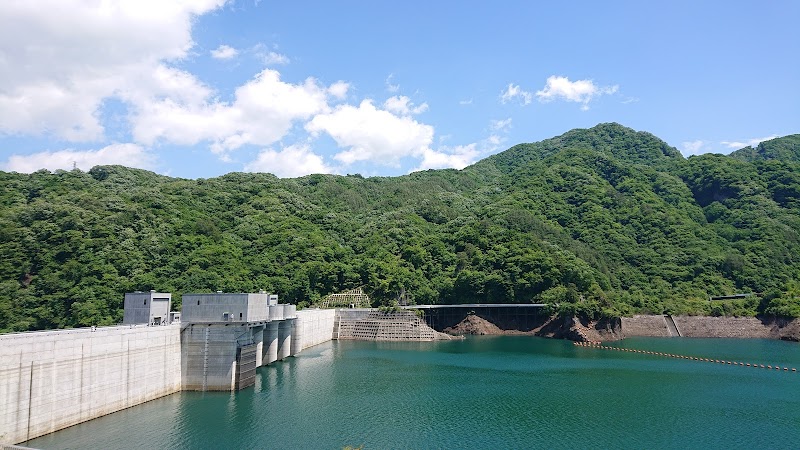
50	380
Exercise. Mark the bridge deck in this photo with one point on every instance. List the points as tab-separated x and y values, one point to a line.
478	305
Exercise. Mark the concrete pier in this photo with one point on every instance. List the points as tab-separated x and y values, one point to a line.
285	338
210	352
297	338
270	343
258	337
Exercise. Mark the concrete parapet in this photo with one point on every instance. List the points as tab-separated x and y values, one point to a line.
55	379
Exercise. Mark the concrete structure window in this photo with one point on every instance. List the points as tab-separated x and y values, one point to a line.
145	301
240	316
198	303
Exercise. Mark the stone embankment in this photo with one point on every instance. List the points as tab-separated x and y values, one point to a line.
583	330
722	327
651	326
372	325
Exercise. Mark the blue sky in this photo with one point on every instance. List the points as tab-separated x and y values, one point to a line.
198	89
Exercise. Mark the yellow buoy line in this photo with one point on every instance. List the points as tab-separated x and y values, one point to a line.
600	346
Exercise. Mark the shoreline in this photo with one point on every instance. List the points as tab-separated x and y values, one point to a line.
604	330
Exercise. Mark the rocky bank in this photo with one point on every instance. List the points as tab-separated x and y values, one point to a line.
581	329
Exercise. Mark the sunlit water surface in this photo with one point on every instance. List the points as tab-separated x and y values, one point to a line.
482	392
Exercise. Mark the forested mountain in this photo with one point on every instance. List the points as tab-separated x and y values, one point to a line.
601	221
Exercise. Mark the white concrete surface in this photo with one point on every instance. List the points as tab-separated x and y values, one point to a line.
312	327
51	380
270	343
285	338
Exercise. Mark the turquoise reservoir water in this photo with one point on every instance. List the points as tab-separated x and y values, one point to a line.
482	392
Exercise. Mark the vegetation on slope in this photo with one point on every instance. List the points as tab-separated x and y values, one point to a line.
603	221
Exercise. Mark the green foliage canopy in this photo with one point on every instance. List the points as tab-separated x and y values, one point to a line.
600	221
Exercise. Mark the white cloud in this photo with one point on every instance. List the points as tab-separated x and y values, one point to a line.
465	102
61	59
580	91
500	125
389	86
372	134
514	91
274	58
224	52
268	56
402	105
693	147
492	144
747	143
460	156
262	112
130	155
339	89
293	161
448	157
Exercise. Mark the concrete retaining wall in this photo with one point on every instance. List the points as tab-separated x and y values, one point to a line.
379	326
654	326
312	327
734	327
270	347
55	379
723	327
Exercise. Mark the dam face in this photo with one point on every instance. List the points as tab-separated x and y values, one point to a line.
55	379
50	380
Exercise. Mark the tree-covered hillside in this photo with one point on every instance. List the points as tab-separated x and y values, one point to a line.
600	221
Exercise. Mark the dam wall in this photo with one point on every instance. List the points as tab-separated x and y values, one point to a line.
213	355
51	380
312	327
